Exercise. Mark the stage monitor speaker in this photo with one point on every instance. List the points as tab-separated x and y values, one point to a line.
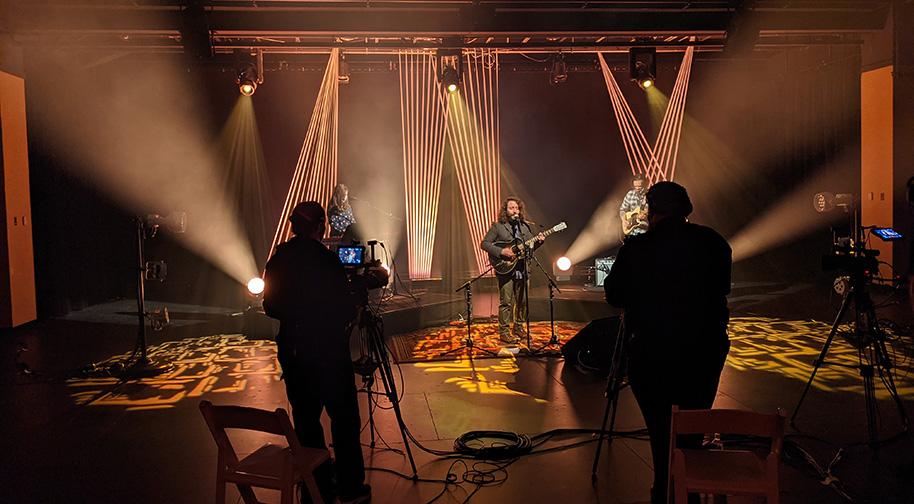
602	267
591	349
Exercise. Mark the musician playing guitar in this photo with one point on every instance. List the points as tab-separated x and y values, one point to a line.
633	211
501	242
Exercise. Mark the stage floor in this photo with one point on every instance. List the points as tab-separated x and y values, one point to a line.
71	436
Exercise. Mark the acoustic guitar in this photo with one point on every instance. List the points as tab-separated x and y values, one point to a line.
503	265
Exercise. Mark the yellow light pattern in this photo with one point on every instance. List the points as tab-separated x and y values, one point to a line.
231	364
789	347
221	364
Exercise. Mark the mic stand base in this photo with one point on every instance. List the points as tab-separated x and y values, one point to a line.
143	368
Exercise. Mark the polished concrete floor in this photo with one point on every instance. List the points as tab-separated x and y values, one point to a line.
69	433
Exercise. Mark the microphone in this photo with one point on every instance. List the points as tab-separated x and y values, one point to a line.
354	198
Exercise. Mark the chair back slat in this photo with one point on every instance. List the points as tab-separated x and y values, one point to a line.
728	421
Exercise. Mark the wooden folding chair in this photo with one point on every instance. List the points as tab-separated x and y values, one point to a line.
725	471
270	466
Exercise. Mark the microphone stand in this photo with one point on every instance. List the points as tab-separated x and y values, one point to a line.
553	288
528	253
468	344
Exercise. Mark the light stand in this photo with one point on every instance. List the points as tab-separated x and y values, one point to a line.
142	367
553	288
468	344
614	384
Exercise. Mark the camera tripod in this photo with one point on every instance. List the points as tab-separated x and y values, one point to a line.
376	358
873	356
614	385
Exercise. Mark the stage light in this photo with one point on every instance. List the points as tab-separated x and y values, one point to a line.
450	79
563	263
450	68
826	201
176	222
255	286
559	73
343	76
250	73
642	66
645	79
247	81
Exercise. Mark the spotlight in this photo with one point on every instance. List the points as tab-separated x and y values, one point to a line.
642	63
343	74
450	79
250	73
176	222
645	79
561	269
255	286
826	201
247	81
559	73
450	68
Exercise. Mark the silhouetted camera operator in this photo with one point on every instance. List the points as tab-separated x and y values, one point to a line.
308	291
672	282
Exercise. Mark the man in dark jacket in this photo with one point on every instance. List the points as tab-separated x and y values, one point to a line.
306	288
511	231
672	283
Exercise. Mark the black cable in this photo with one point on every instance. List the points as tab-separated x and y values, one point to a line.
492	445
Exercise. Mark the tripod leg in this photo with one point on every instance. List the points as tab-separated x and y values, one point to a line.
610	402
614	385
387	379
821	359
371	426
882	362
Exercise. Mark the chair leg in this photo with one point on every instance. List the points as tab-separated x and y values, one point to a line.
220	491
287	495
313	491
247	494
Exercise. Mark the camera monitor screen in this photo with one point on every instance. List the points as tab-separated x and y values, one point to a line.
351	255
887	234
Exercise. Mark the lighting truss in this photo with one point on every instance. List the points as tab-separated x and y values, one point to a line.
423	113
474	139
658	162
316	170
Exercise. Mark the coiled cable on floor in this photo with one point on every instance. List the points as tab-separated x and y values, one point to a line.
492	445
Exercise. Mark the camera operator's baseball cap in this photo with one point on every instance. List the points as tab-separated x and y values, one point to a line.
306	217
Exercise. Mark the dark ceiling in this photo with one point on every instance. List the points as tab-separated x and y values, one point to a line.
287	26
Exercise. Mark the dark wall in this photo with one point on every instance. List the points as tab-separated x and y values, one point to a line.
755	129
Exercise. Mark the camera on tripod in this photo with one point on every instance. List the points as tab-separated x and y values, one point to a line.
855	261
364	274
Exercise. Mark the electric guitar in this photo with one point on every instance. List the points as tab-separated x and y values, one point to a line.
503	265
633	219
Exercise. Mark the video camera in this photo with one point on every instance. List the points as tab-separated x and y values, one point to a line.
853	260
364	274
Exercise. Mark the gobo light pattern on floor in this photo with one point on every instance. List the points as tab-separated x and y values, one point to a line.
232	364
